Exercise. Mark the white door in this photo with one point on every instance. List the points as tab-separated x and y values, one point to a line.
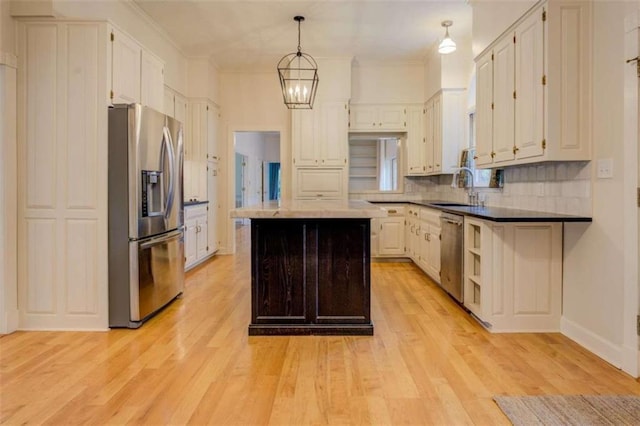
334	134
125	78
484	110
503	110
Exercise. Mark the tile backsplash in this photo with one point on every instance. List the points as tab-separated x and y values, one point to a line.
550	187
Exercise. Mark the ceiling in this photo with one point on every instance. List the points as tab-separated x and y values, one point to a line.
238	34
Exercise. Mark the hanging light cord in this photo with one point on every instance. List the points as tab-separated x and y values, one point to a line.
299	19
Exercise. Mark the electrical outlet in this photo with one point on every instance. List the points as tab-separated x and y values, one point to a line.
605	168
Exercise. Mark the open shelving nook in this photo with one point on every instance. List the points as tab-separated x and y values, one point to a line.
374	161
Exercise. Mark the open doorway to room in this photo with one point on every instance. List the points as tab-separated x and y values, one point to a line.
257	176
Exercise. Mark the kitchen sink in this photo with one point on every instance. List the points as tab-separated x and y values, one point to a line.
449	204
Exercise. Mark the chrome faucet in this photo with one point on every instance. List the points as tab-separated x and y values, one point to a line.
473	197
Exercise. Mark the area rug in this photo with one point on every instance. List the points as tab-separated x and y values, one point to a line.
576	410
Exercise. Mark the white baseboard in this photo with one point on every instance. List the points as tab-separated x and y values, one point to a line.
606	350
8	59
630	360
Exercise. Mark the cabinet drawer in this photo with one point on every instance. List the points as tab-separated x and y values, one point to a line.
195	212
320	183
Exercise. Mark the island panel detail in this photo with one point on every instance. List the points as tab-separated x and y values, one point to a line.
310	276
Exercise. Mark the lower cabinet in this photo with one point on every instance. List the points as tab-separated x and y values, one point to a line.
429	242
196	246
322	183
310	276
513	275
387	233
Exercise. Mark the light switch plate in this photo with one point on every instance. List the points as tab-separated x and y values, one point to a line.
605	168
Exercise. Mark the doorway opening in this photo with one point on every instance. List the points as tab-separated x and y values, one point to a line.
258	171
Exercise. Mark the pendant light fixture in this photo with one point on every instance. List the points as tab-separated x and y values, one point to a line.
298	77
447	45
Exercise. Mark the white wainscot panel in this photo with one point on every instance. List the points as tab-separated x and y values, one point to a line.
41	102
41	266
82	273
532	292
82	116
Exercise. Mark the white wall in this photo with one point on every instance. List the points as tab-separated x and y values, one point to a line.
202	80
594	273
491	18
128	17
252	101
8	174
451	71
387	82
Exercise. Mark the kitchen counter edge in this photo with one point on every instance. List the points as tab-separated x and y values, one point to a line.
496	214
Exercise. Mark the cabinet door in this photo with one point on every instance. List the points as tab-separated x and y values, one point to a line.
416	143
212	213
437	133
212	133
408	231
363	117
190	242
305	145
125	76
422	241
321	183
484	110
392	117
376	228
152	81
529	103
428	134
202	246
391	236
334	134
503	100
433	259
169	102
180	106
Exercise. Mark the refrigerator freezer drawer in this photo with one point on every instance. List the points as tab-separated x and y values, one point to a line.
157	273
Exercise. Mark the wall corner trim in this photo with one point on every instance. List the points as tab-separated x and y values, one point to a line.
601	347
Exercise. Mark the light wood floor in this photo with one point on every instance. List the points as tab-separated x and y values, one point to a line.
428	363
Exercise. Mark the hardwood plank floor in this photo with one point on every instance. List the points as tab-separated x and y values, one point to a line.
428	363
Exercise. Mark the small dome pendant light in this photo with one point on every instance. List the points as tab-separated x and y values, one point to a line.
298	74
447	45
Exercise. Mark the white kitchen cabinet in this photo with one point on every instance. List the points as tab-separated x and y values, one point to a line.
390	232
429	236
412	233
444	129
196	234
196	147
320	141
324	183
213	119
513	275
175	105
375	232
320	136
125	68
377	117
137	75
416	151
63	81
214	205
151	81
540	92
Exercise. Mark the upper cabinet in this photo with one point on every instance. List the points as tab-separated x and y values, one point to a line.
532	95
434	142
320	135
151	81
136	74
377	117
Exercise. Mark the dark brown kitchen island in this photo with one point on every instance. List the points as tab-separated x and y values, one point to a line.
310	267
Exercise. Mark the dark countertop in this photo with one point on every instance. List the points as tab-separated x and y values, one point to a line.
497	214
195	203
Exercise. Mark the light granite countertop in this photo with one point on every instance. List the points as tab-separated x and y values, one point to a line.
316	209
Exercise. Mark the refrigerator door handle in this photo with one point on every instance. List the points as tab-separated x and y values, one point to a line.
166	139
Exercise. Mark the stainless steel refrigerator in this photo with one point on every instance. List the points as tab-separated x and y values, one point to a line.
146	213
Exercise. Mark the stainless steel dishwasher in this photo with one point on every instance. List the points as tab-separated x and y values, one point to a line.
451	260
